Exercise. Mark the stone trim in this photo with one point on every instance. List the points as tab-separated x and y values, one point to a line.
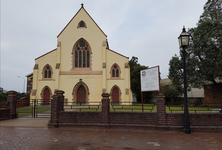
104	65
127	65
127	91
36	66
59	44
57	65
34	92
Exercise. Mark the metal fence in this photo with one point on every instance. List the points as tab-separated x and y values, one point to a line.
133	107
82	106
40	108
121	106
178	107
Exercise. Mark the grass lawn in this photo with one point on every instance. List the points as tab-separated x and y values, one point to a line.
149	108
180	109
131	108
26	111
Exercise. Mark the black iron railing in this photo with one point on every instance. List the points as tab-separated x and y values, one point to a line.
133	107
82	106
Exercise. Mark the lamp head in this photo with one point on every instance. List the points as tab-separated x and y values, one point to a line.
184	38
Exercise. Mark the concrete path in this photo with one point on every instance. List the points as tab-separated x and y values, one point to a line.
33	133
23	138
25	122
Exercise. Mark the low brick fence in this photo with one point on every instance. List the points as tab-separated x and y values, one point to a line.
159	120
8	109
4	114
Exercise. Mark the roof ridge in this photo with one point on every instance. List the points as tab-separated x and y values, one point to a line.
46	54
117	53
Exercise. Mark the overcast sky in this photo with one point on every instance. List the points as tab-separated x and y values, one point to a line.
147	29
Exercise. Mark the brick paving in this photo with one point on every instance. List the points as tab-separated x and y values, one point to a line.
24	138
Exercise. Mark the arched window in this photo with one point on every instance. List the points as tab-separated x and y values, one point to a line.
82	24
115	71
82	54
47	72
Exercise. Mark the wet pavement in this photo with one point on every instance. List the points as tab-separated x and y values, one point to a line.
41	138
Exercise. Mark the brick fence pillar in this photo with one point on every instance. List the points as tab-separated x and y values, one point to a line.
56	107
105	107
161	110
12	99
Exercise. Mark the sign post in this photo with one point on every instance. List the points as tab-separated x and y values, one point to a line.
150	80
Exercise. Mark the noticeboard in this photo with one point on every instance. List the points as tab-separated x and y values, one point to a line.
150	79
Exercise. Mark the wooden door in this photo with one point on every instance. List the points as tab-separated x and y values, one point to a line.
81	95
115	95
46	96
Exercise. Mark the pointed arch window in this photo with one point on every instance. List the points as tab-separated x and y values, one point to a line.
115	71
82	24
47	72
82	54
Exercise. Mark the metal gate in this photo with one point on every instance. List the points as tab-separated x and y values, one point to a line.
35	108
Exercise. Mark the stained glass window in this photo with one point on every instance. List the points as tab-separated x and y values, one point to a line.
82	55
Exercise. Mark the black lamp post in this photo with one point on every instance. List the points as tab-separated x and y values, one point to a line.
184	42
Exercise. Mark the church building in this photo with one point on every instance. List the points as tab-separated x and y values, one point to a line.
82	65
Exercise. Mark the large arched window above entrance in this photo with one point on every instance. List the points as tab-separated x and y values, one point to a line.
47	72
81	54
115	72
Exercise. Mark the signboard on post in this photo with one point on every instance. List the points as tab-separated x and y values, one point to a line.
150	79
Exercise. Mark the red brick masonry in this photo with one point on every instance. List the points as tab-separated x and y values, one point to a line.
4	114
132	120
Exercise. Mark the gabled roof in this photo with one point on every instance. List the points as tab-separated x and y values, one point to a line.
74	17
28	75
45	54
117	53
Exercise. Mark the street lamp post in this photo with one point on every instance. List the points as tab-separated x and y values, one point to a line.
24	83
184	42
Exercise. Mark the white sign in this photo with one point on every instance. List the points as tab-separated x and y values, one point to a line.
150	80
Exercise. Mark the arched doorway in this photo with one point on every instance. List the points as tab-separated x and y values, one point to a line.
46	96
115	95
81	95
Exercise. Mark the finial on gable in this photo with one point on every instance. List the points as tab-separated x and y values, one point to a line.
82	5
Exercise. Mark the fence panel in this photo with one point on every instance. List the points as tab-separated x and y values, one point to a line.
133	107
82	106
37	108
178	107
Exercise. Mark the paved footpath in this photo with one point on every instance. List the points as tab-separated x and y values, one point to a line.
42	138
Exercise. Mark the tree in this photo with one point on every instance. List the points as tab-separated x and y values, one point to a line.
212	11
135	68
204	58
3	97
171	92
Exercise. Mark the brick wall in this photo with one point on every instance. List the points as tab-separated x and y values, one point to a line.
213	95
80	117
4	114
133	118
159	120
